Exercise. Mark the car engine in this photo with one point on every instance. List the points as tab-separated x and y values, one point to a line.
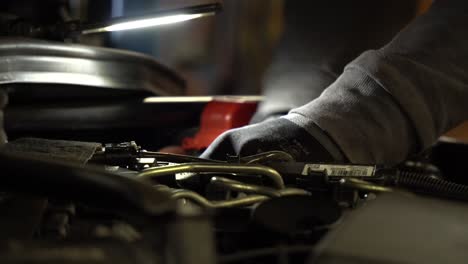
81	182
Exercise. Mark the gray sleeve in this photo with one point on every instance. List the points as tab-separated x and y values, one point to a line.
314	48
398	100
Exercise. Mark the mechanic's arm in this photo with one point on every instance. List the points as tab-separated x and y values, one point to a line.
314	49
387	104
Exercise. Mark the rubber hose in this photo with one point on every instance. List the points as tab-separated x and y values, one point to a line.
428	184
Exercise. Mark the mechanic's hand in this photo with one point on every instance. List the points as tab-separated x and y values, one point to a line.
279	134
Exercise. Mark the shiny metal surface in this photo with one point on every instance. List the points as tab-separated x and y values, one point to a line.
237	186
28	61
256	194
196	198
200	200
204	99
270	173
154	19
232	185
364	186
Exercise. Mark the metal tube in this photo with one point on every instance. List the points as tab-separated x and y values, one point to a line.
293	191
239	202
200	200
193	196
228	184
364	185
270	173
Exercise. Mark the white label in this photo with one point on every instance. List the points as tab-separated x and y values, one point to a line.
340	170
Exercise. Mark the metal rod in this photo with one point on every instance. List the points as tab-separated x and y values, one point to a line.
270	173
244	201
364	185
293	191
200	200
232	185
228	184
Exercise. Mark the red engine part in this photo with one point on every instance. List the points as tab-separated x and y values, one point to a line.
218	117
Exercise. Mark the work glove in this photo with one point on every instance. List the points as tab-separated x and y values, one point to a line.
278	134
3	102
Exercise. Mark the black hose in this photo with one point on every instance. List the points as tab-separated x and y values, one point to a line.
86	184
425	183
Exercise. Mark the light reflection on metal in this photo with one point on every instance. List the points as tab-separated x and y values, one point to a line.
233	185
200	200
160	18
202	99
255	194
270	173
32	62
364	185
145	23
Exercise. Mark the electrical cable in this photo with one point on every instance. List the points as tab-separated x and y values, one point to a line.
428	184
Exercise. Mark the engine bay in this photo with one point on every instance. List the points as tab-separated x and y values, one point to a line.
102	165
81	202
